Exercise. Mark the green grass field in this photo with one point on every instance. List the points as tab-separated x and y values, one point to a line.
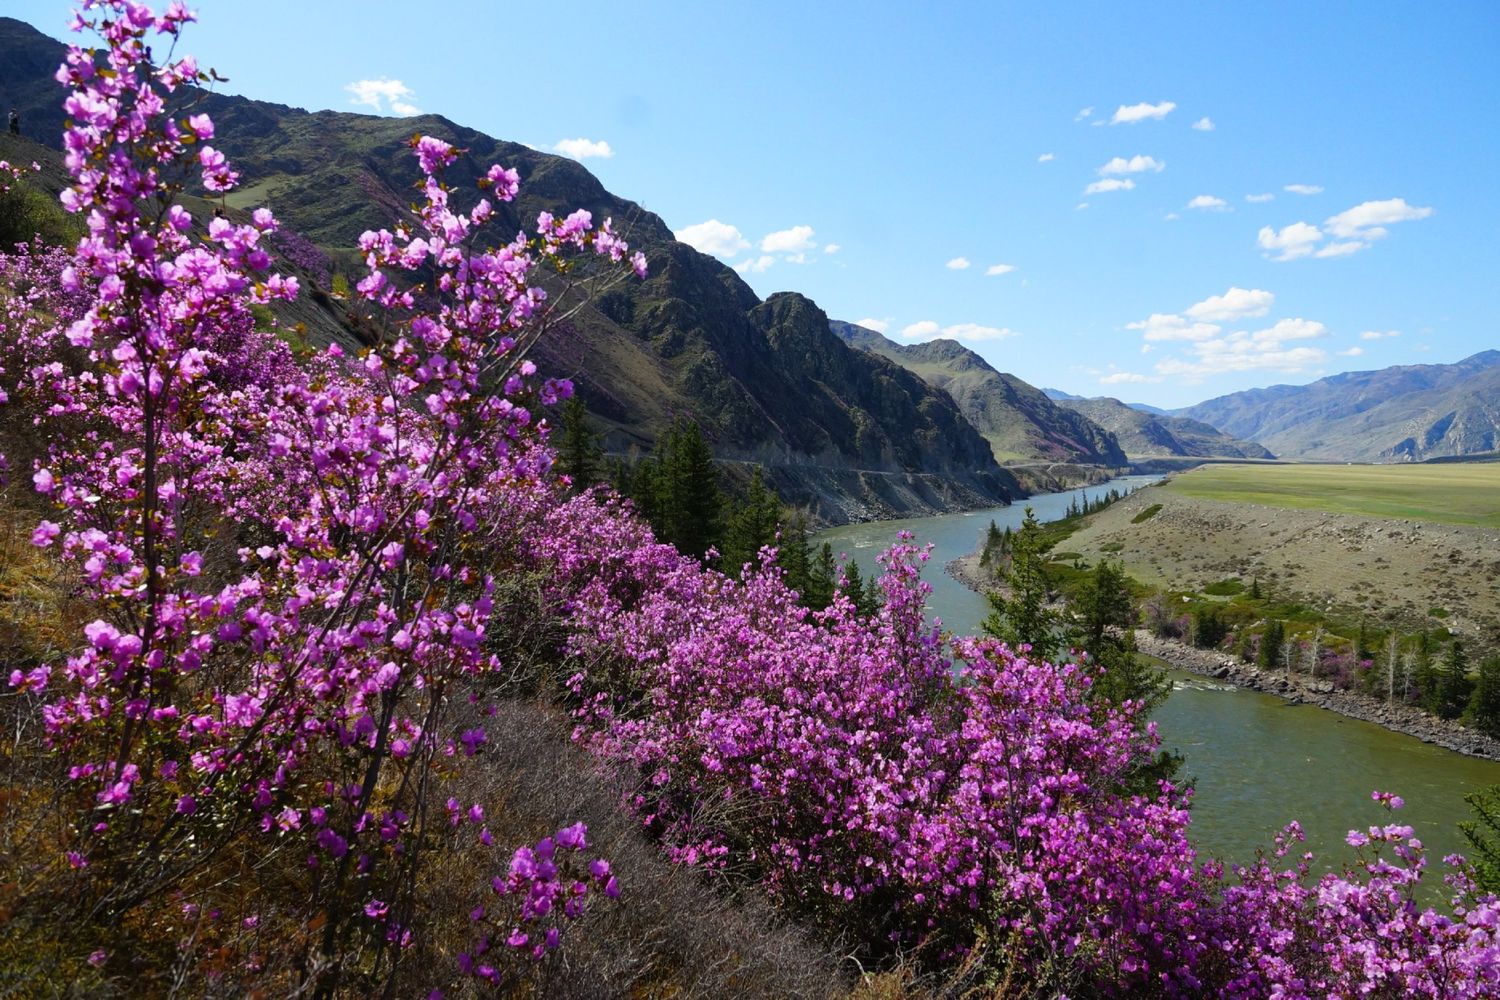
1447	493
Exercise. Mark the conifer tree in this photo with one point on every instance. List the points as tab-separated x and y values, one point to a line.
1020	614
1271	641
578	451
822	578
1484	704
751	525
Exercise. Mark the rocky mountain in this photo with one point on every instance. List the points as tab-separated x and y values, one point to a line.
841	430
1020	423
1150	435
1400	414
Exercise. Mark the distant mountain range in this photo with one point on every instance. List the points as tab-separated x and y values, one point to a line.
1020	423
1058	394
1400	414
1152	435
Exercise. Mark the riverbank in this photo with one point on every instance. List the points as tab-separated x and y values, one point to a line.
1295	688
1299	689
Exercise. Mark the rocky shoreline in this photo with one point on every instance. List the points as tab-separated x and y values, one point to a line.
1297	689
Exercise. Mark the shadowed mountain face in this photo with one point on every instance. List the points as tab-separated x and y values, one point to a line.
1020	423
1149	435
1399	414
767	381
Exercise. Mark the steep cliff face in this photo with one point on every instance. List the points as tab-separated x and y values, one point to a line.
1017	420
767	381
1401	414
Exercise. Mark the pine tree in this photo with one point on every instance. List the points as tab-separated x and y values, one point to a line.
822	579
578	451
751	525
1483	835
1451	694
794	556
1271	641
1483	712
690	502
1020	614
866	597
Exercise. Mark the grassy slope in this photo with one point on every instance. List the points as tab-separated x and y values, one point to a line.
1445	494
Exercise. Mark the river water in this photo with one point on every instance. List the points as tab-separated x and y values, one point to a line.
1257	760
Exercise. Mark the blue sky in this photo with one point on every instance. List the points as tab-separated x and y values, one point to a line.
1176	200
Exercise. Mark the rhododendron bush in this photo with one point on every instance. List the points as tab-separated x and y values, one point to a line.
295	569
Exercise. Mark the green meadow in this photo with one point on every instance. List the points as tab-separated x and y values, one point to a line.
1449	493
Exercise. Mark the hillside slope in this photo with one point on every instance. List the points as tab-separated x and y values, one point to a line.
843	431
1149	435
1398	414
1019	421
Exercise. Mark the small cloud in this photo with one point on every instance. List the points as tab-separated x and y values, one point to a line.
1134	165
920	330
958	264
1085	113
1171	217
755	265
1256	199
1080	206
878	325
996	269
1304	188
832	248
583	149
1045	158
1133	378
1110	184
1352	352
1237	303
1141	112
381	93
1204	124
1379	334
1208	203
1365	221
973	331
794	240
715	237
1170	326
1290	242
1343	249
1289	329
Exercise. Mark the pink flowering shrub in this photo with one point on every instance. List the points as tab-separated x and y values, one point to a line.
297	573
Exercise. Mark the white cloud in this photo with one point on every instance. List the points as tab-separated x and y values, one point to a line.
1135	165
973	331
1304	188
1110	184
382	93
1080	206
1170	326
583	149
1118	378
1085	113
1287	329
878	325
958	264
755	265
1141	112
1365	220
1352	352
927	329
1204	124
1343	249
997	269
1237	303
1258	198
1379	334
715	237
1208	202
794	240
832	248
1291	242
1171	217
1215	357
1045	158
